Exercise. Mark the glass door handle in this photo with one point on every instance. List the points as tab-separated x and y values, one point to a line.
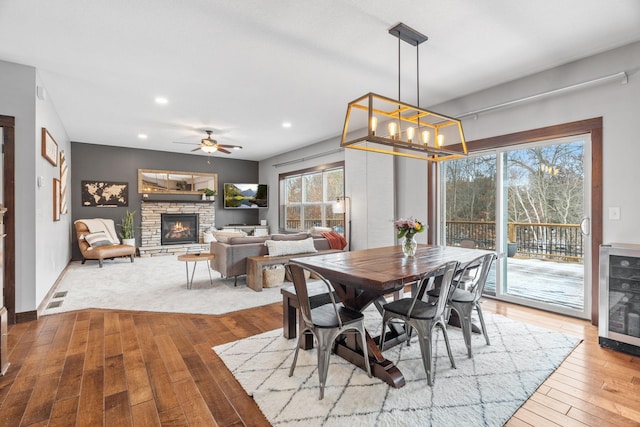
585	226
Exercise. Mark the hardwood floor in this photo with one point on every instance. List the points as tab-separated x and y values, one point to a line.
119	368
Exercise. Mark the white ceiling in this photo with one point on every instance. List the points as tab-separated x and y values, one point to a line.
242	67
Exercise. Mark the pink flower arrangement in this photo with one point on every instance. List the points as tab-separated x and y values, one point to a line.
408	227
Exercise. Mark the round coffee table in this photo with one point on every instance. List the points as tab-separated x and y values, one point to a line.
195	258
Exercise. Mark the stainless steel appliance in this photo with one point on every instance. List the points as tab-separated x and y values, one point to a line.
619	318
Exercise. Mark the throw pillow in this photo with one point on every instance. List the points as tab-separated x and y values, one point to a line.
97	239
290	247
224	236
319	230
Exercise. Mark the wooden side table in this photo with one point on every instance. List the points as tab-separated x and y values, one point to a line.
195	258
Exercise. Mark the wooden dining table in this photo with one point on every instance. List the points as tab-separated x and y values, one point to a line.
364	277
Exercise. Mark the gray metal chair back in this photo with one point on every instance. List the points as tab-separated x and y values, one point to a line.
423	316
325	322
464	301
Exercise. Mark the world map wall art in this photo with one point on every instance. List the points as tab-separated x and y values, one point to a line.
105	194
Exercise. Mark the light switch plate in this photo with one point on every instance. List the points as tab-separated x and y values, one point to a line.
614	213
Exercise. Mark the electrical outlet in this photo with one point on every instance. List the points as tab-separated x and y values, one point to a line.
614	214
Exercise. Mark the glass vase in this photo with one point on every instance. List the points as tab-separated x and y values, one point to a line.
409	246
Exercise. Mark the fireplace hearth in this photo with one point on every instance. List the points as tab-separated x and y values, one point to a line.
179	228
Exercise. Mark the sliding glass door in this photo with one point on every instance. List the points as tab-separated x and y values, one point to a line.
530	204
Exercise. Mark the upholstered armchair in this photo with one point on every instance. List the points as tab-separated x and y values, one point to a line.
100	244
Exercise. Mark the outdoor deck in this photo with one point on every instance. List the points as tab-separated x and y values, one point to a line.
551	282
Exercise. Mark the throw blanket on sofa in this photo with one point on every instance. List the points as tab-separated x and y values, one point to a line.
102	224
336	241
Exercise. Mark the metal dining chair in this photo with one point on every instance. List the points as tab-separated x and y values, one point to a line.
325	322
465	297
422	315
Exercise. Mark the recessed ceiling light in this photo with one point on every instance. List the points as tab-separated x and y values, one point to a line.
286	125
161	100
143	136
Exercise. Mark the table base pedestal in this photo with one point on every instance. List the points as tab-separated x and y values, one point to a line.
383	369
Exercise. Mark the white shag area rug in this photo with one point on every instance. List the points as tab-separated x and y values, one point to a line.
483	391
153	284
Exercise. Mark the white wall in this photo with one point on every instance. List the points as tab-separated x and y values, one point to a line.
618	104
17	94
51	246
411	192
369	180
39	260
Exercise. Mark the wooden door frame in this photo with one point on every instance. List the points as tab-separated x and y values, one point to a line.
7	124
593	127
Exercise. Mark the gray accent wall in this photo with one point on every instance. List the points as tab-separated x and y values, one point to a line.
92	162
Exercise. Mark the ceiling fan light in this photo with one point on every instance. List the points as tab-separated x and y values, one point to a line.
209	148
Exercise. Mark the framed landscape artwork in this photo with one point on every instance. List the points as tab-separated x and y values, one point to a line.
105	194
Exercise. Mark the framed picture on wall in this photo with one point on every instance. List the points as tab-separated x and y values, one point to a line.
105	194
56	199
64	169
49	147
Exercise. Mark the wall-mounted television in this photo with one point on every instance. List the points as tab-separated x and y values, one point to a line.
245	196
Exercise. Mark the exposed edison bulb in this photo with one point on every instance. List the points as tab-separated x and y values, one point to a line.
392	130
374	124
410	133
440	140
426	136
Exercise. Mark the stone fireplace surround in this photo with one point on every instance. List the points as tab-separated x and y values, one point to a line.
150	226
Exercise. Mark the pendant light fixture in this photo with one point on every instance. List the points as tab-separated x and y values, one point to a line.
384	125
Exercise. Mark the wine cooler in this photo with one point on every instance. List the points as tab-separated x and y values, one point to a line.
619	309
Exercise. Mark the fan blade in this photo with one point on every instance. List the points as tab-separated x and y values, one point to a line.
187	143
222	150
238	147
196	149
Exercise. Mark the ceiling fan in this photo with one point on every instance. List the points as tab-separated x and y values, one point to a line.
210	145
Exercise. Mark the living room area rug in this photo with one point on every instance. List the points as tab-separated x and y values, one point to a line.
153	284
485	390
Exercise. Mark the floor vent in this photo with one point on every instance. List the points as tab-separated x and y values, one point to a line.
54	304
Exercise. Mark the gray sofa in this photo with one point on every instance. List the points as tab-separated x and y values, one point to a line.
231	256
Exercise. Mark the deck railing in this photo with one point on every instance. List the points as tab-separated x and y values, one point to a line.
559	242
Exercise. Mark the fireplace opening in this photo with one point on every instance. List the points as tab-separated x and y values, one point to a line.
179	228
